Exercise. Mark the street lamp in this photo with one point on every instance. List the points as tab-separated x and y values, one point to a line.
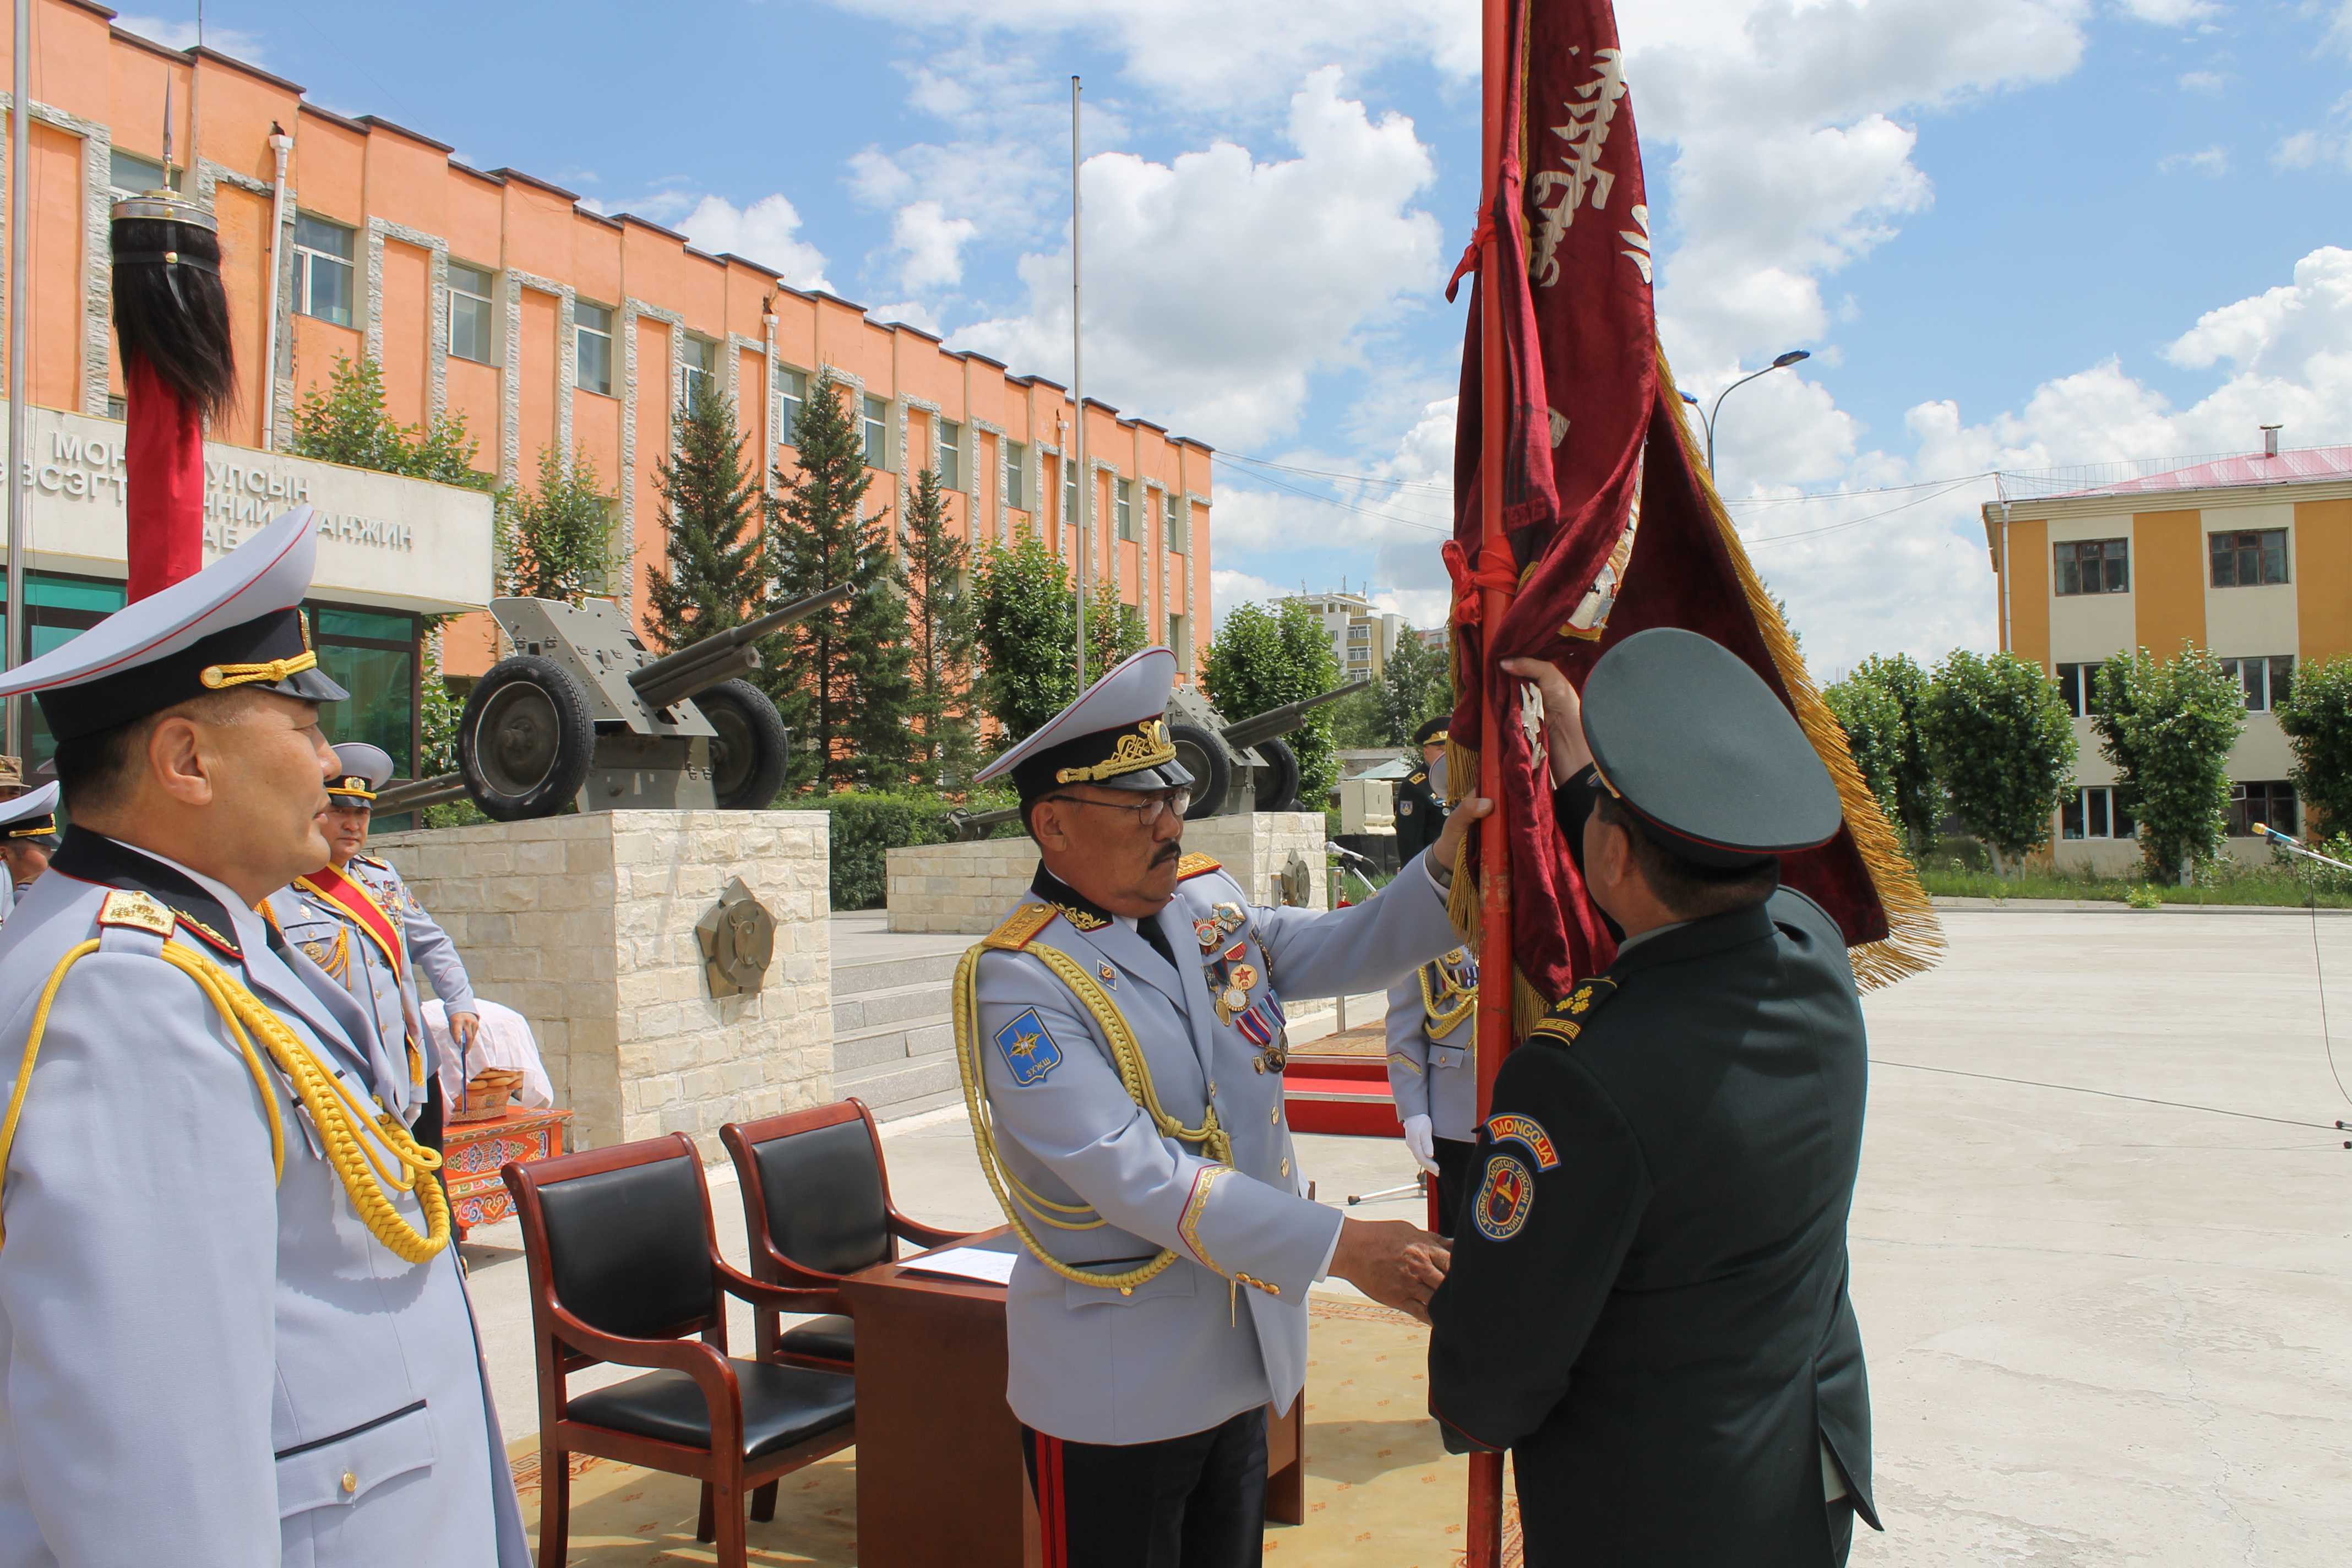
1706	416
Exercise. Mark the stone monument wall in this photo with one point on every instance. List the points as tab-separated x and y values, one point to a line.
585	925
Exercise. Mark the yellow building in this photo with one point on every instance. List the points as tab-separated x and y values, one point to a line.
2247	556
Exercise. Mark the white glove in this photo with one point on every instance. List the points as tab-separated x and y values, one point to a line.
1423	1140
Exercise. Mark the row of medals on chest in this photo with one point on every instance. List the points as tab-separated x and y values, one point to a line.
1230	978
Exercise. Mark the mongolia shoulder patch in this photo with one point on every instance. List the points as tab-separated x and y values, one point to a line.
1029	1051
1569	1016
1528	1133
1196	866
1506	1197
1025	924
138	910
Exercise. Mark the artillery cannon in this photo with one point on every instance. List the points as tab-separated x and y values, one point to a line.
1235	768
1244	767
582	712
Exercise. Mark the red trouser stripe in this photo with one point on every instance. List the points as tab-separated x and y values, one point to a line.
1053	1520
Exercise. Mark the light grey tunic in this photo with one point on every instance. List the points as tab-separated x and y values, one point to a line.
1224	1329
201	1365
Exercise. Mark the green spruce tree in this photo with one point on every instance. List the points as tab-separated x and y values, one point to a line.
707	574
839	678
944	628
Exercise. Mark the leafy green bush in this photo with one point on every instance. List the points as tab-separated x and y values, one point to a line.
2168	726
2002	742
2143	897
868	823
2317	719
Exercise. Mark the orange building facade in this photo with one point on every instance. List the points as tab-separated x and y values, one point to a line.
495	295
2248	557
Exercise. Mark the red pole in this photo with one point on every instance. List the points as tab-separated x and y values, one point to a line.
1484	1527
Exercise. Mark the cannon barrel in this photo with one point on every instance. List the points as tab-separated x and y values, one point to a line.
671	670
969	825
418	793
1266	726
682	681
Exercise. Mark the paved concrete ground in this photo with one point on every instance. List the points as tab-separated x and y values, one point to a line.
2100	1331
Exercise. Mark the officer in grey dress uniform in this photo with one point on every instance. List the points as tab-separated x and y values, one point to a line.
1433	1076
29	837
1121	1037
357	920
232	1330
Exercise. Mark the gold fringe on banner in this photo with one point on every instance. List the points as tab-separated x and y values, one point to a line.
1915	940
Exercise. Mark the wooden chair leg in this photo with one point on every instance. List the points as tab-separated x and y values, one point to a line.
706	1527
554	1507
734	1550
763	1502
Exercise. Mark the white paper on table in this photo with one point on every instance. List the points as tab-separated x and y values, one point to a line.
982	1263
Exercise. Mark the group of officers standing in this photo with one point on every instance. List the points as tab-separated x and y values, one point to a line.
227	1290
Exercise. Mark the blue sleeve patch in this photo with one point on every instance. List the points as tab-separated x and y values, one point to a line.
1029	1051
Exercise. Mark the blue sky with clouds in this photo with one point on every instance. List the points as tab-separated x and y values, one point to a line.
2011	232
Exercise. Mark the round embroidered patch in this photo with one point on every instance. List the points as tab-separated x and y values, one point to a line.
1504	1198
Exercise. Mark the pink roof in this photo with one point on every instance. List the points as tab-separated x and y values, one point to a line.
2309	463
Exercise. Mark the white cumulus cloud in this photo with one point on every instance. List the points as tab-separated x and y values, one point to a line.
930	244
768	231
1218	284
2210	162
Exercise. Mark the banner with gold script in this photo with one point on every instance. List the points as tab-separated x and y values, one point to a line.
1613	524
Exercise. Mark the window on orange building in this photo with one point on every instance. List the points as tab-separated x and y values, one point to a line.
2268	803
131	175
1069	493
2247	558
1177	535
791	397
591	337
2094	566
950	461
2267	680
877	433
698	367
473	313
1016	475
323	269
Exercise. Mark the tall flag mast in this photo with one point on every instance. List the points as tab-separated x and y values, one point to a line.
1584	515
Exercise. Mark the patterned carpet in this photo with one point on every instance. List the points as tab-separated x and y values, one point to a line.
1380	1488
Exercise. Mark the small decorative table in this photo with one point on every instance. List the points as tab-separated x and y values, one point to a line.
473	1151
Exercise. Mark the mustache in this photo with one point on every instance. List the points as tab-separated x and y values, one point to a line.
1166	853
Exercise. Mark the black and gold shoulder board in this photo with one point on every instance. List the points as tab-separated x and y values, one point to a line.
1569	1016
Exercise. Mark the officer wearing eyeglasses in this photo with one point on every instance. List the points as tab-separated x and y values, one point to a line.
1122	1044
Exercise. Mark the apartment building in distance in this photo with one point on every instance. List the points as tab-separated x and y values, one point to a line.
1362	637
2249	557
495	294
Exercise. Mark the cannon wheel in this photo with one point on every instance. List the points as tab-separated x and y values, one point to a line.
1202	754
525	739
747	761
1277	784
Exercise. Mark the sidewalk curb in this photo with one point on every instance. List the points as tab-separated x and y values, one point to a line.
2116	906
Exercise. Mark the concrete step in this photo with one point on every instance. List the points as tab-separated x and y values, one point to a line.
918	1105
892	1089
857	979
893	1004
886	1043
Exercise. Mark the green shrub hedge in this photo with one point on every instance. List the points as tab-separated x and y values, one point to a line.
867	824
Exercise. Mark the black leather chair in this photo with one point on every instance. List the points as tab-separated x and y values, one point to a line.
816	1208
624	1267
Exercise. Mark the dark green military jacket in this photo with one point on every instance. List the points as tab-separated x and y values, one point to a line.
1648	1300
1420	815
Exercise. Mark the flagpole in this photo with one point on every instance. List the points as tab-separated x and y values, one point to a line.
1082	491
1484	1526
19	286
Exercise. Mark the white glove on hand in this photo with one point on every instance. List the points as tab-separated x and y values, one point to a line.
1421	1139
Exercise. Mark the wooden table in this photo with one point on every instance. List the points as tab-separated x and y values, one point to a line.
939	1472
472	1154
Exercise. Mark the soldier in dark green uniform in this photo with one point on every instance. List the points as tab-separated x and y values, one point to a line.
1420	794
1648	1304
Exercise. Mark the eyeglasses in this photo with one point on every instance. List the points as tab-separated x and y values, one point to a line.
1147	814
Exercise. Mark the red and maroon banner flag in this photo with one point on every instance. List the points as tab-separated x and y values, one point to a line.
1613	524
